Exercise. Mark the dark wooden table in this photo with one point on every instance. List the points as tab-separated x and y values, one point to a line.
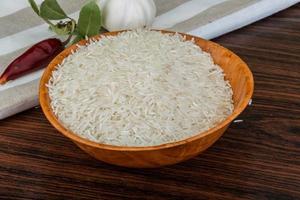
256	159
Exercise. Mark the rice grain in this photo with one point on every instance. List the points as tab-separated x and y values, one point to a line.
140	88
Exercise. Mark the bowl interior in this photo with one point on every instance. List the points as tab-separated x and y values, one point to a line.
236	72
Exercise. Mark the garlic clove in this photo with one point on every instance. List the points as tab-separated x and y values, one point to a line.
127	14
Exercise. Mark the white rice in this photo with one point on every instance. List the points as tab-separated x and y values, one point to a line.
140	88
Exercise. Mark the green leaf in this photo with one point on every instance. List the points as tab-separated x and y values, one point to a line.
34	6
51	10
77	39
89	21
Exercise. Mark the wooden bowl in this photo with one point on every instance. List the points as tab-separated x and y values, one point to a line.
236	71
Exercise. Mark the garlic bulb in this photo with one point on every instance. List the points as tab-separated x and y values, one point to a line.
127	14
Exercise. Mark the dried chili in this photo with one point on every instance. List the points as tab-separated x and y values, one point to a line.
36	57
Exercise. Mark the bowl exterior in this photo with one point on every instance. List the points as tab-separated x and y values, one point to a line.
236	72
153	158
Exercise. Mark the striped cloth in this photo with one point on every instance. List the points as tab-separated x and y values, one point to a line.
21	28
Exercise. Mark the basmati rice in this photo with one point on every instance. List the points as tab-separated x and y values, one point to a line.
140	88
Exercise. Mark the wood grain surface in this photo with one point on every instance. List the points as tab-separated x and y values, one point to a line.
256	159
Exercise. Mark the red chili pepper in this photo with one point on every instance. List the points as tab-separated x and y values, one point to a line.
36	57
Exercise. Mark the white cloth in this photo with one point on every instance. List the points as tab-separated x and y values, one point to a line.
172	18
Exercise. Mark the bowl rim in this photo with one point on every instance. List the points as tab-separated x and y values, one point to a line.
46	108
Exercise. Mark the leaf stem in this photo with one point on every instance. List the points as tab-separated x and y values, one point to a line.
67	40
71	18
48	22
